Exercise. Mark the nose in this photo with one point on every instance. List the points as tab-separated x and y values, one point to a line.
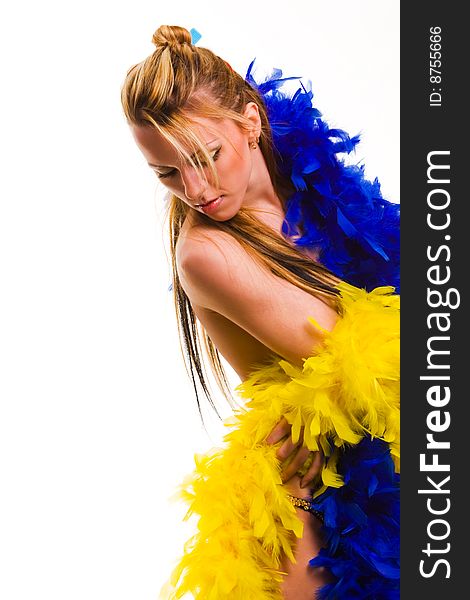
194	184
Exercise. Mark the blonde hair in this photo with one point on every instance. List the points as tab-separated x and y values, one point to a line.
163	91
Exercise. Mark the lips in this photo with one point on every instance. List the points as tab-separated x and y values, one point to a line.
208	202
212	206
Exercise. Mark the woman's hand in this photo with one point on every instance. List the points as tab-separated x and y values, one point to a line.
293	457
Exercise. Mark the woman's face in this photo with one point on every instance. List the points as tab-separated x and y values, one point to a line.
238	165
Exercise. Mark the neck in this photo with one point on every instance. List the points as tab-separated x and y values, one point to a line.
261	197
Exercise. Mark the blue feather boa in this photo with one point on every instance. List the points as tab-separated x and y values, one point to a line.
334	208
362	526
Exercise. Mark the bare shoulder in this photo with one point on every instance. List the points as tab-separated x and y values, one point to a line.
220	275
205	253
212	262
199	237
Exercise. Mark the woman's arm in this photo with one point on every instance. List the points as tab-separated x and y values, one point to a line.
219	276
217	273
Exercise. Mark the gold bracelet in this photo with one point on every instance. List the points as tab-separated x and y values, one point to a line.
306	505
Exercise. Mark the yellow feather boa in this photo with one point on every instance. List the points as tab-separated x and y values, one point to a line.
347	390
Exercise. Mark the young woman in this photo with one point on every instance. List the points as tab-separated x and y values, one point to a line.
265	223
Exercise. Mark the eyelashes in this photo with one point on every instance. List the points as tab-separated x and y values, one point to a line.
215	156
163	175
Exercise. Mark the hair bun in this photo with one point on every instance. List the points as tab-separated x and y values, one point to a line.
171	35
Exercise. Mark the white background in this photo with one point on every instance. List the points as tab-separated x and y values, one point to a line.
98	420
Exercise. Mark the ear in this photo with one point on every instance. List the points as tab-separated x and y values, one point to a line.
251	112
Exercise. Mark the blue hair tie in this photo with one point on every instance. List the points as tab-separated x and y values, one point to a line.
195	36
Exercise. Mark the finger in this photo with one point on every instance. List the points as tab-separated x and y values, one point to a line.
280	431
291	469
286	449
313	470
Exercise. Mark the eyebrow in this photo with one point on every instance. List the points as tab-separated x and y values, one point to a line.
193	156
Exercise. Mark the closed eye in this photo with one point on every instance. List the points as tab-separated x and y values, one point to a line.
167	174
215	156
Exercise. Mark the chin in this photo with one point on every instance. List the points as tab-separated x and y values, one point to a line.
224	214
222	218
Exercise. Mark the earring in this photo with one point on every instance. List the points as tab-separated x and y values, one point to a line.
254	144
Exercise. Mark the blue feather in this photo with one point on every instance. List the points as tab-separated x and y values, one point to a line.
361	526
335	208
